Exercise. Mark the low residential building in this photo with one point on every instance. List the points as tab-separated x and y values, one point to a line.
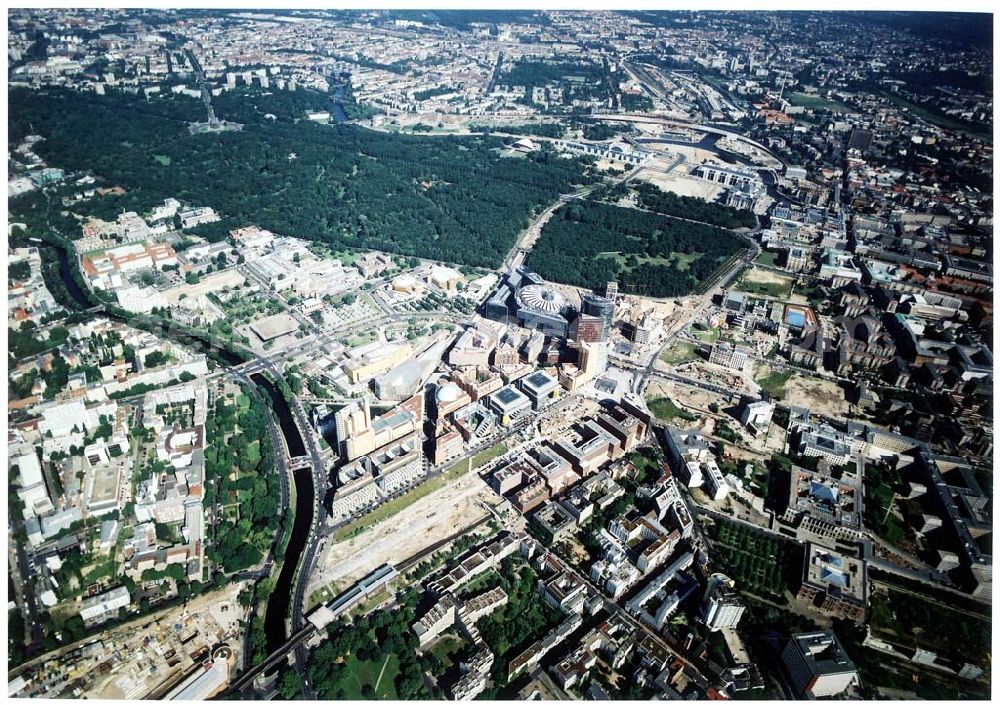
439	617
197	216
101	607
572	669
662	595
565	591
475	562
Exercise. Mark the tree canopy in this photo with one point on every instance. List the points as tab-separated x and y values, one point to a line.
447	198
589	243
240	465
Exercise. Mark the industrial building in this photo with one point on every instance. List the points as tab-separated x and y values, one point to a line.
405	379
375	358
208	680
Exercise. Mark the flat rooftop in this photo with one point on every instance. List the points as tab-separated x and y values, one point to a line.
508	396
823	653
539	380
106	480
841	576
274	326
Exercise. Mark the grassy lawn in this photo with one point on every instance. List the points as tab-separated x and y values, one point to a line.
324	594
368	604
911	620
881	484
679	352
935	119
773	289
665	410
100	569
646	463
488	455
253	453
775	382
680	260
706	336
683	262
486	580
444	647
367	672
391	508
361	339
163	160
768	258
346	257
815	102
815	296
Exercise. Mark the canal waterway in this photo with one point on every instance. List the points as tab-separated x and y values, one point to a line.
278	603
339	114
66	274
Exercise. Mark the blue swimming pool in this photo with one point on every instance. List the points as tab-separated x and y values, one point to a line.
795	318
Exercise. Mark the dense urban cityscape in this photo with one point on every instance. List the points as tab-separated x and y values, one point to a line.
499	354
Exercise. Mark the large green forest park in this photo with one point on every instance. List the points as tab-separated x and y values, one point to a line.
455	199
588	243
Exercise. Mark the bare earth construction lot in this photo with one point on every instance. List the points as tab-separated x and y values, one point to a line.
821	396
429	519
208	284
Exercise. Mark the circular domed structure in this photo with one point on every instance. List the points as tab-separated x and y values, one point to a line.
542	298
447	393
